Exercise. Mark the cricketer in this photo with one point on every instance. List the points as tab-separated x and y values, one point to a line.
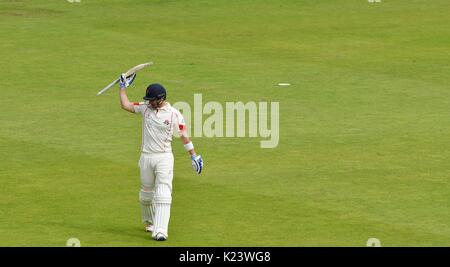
159	121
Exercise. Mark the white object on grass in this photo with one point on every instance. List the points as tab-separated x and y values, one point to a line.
373	242
73	242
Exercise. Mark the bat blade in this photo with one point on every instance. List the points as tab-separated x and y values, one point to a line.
130	72
137	68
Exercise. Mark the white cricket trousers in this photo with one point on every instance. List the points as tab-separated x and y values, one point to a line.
156	190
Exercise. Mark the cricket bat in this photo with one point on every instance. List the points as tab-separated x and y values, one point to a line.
130	72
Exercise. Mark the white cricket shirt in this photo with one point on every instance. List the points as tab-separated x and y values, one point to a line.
158	127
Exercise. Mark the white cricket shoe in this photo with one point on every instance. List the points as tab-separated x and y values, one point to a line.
148	228
160	237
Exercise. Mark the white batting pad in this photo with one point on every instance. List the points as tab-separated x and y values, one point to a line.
162	202
146	199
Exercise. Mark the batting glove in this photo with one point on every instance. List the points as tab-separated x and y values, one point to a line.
124	82
197	163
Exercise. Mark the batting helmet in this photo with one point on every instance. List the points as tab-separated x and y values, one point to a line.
155	91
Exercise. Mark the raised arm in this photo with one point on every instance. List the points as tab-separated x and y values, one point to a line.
124	83
124	102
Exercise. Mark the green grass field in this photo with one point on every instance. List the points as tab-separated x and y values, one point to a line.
364	128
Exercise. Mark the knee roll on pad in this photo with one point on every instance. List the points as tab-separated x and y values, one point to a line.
146	197
163	194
